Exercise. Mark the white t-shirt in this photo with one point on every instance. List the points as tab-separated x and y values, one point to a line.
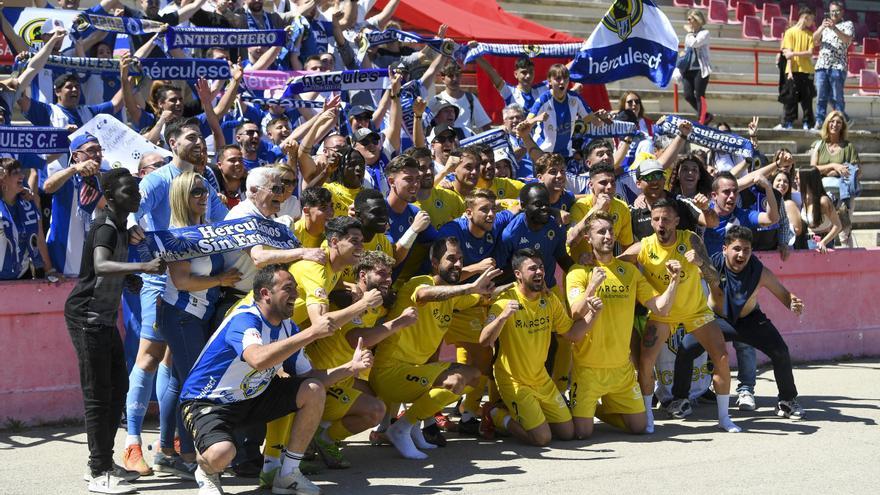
471	117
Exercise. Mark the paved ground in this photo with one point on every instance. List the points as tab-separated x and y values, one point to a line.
835	450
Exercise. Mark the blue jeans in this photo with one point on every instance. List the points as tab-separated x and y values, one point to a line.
185	335
829	84
746	367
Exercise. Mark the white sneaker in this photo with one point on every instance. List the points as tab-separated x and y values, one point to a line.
209	484
746	401
106	482
294	484
118	471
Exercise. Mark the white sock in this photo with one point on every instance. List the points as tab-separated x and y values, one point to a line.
289	463
419	438
270	463
132	440
724	421
649	412
400	436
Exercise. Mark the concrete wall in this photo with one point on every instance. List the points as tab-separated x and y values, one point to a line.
40	381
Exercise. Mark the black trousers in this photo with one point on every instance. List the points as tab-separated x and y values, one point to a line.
694	88
104	380
756	330
804	86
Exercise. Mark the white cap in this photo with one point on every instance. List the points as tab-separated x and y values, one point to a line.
648	166
502	154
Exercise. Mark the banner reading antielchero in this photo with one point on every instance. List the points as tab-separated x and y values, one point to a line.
190	37
204	240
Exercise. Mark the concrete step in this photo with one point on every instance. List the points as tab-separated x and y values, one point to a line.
865	238
868	203
866	219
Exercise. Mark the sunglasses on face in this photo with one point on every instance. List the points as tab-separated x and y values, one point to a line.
370	141
653	176
198	192
273	189
444	139
633	102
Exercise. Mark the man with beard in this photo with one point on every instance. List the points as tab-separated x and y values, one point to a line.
255	150
154	213
602	367
403	373
736	299
477	231
407	222
351	406
534	228
602	186
689	309
346	180
520	323
252	371
724	197
692	213
317	205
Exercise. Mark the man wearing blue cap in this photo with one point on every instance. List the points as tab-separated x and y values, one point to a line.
76	195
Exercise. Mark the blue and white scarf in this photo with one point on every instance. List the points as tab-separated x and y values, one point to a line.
564	50
84	64
615	129
186	69
127	25
442	46
345	80
190	37
494	138
287	103
26	139
707	137
204	240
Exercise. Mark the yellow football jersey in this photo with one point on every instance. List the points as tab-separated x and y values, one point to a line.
418	342
443	205
335	350
607	343
314	282
525	339
307	240
503	187
343	197
690	299
622	224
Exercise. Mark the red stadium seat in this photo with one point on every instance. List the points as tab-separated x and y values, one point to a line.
869	78
744	9
871	46
778	25
718	12
856	65
770	11
683	3
752	28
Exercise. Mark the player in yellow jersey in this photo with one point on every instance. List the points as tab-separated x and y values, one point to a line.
441	204
689	309
602	186
403	373
521	321
346	180
351	406
317	209
504	188
602	366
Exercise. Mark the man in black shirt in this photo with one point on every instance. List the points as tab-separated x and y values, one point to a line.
90	313
692	213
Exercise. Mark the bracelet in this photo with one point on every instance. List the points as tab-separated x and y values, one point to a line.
417	116
394	97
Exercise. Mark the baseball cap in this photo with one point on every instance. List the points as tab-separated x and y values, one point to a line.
503	154
439	129
363	133
648	166
50	26
437	104
78	142
356	110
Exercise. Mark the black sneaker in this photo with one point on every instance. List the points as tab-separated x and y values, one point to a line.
708	397
248	469
433	435
469	427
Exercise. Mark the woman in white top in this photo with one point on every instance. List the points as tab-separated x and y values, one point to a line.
818	213
695	76
188	303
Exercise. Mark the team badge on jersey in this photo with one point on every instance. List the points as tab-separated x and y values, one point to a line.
438	204
621	270
574	292
321	293
551	234
542	303
681	249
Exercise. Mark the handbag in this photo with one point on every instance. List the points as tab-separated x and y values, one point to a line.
684	62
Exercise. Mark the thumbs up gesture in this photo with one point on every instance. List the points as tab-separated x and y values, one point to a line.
362	358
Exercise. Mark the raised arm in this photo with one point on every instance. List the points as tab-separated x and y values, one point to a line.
482	285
